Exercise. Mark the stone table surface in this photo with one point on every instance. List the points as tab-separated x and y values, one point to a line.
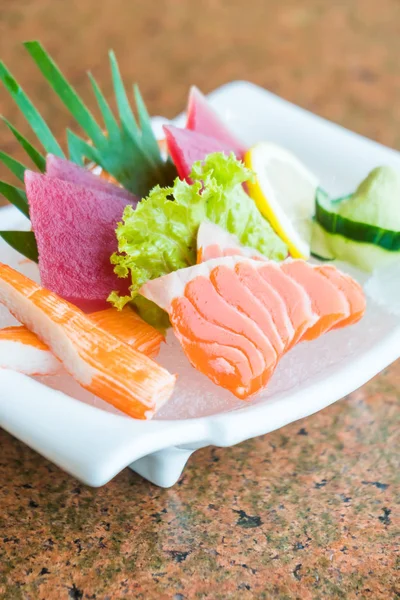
310	511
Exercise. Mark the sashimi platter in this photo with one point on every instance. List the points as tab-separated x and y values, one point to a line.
188	282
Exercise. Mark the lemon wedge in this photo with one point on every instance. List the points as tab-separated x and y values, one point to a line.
284	191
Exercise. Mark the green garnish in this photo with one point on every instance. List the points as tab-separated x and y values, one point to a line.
23	242
160	235
125	149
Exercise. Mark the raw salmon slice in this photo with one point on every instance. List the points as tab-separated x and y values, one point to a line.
329	303
351	289
99	361
215	242
295	298
21	350
270	299
225	310
228	334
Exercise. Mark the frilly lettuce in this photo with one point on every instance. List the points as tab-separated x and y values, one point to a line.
160	235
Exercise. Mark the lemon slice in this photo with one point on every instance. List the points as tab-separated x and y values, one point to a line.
284	191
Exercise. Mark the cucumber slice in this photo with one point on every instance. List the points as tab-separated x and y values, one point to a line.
329	214
319	246
367	257
370	215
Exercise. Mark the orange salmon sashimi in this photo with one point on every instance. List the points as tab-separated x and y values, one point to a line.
328	301
21	350
100	362
215	242
351	289
235	317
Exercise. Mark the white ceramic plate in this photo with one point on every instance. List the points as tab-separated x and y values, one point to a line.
93	442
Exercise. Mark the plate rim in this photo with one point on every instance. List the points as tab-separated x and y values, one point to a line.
229	427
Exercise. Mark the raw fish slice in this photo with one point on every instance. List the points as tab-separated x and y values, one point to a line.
220	342
198	313
228	371
215	242
270	299
202	292
186	147
101	363
75	233
351	289
21	350
328	301
230	287
189	324
69	171
203	119
297	301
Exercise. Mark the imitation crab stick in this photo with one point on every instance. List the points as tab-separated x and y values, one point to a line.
99	361
235	317
21	350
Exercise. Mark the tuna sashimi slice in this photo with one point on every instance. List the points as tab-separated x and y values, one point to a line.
214	242
328	301
351	289
186	147
75	232
66	170
202	118
100	362
21	350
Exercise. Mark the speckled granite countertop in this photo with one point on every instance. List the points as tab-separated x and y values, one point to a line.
307	512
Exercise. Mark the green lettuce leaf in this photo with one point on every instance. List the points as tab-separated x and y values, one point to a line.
160	235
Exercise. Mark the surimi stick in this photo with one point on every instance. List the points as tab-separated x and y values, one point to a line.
100	362
21	350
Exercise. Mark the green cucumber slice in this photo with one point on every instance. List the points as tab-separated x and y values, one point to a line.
329	214
366	257
319	247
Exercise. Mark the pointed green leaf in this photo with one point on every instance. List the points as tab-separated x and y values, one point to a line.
15	167
124	107
149	141
79	149
30	113
23	242
109	120
15	196
65	92
37	158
